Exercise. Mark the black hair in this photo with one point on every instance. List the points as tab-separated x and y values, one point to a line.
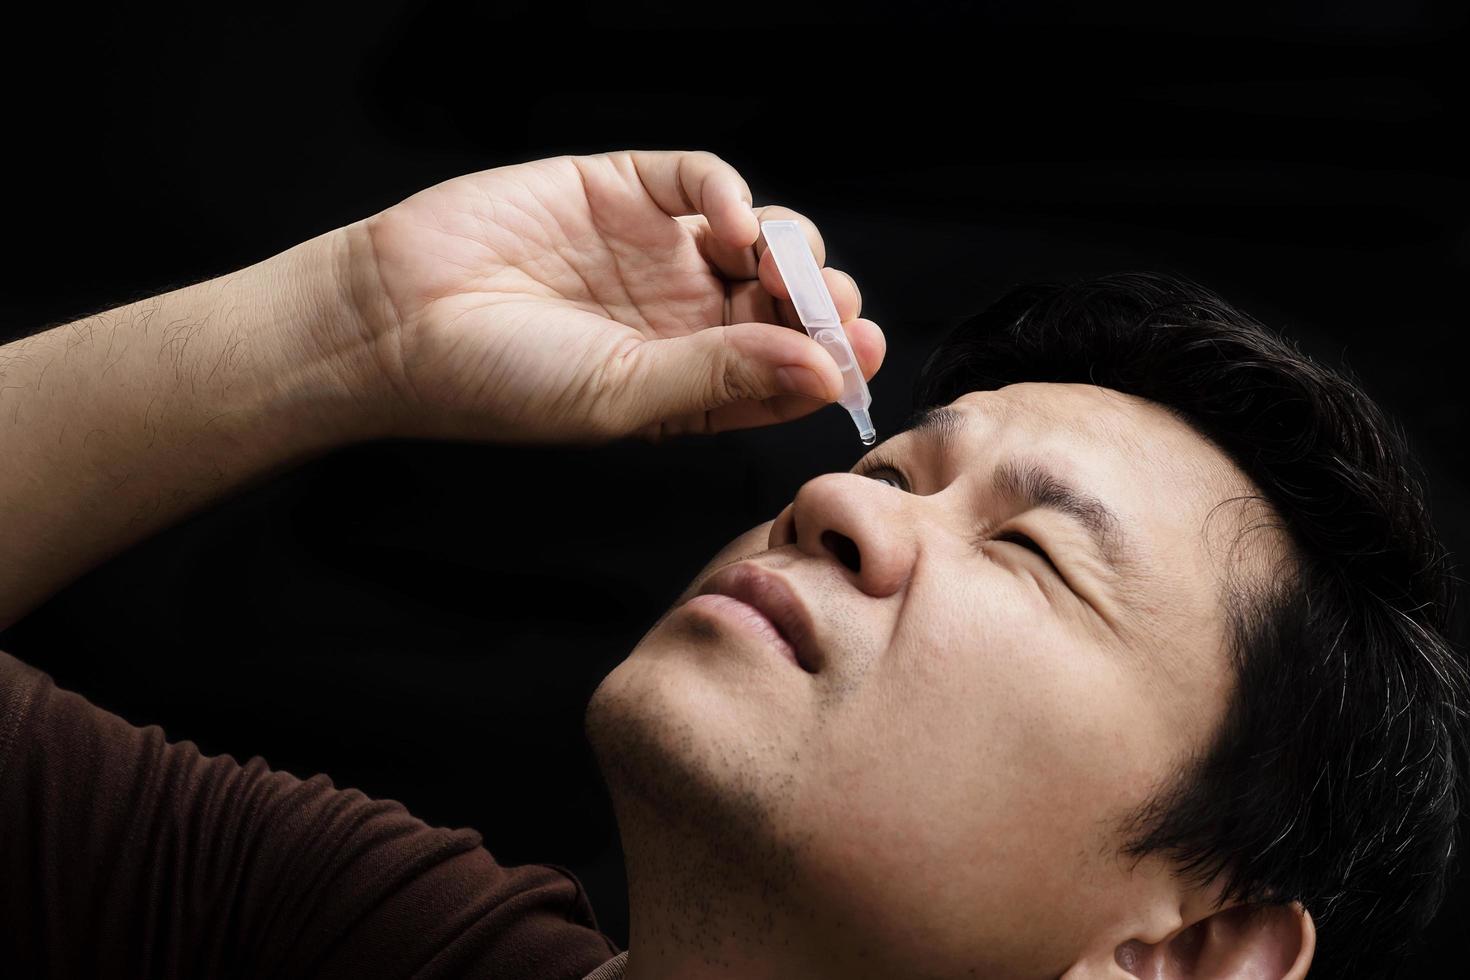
1340	770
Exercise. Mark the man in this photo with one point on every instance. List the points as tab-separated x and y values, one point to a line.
1137	673
1125	659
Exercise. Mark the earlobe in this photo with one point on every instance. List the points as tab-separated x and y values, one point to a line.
1275	941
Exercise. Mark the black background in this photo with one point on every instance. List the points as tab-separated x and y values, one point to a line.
426	621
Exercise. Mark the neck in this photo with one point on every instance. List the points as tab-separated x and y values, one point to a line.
715	882
711	907
724	881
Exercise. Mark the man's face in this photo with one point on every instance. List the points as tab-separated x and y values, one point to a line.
944	788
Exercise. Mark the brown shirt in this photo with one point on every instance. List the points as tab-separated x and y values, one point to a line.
124	855
613	969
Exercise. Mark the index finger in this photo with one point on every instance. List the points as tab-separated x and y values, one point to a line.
686	182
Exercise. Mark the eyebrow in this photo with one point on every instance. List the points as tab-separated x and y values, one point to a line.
1031	484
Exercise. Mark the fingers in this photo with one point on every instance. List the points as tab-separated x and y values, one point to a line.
686	182
751	301
845	293
868	345
752	415
703	372
736	260
775	212
869	348
708	194
697	182
715	202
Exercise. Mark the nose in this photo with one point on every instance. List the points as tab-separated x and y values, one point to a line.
855	521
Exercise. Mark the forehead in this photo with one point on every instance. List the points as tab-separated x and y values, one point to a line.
1111	440
1090	416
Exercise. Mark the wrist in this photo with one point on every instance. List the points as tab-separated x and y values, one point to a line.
316	307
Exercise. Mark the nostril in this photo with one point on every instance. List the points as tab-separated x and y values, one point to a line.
844	548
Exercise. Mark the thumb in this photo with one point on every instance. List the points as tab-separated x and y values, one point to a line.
676	376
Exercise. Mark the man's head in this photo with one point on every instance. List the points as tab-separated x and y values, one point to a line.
1129	642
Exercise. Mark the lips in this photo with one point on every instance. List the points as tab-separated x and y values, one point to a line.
775	599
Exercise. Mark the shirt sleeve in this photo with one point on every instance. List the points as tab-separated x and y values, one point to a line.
124	855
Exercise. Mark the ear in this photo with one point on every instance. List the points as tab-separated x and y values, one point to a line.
1275	941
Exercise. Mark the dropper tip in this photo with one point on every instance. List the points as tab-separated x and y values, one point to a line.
866	432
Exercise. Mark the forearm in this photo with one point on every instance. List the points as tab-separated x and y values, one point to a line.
117	425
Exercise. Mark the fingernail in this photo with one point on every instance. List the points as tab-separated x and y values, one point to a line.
802	381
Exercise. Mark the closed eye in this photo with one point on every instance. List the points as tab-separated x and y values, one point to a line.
1025	541
880	468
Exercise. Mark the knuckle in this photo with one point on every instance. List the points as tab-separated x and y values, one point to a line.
605	389
731	378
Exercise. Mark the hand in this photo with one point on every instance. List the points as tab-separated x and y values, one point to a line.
584	298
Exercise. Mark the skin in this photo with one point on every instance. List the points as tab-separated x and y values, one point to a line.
572	300
942	799
776	824
588	298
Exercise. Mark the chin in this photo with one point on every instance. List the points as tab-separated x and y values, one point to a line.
637	725
691	745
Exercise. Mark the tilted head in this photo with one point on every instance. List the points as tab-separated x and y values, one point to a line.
1133	639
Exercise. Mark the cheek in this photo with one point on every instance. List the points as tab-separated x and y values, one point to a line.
988	741
965	792
1041	729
